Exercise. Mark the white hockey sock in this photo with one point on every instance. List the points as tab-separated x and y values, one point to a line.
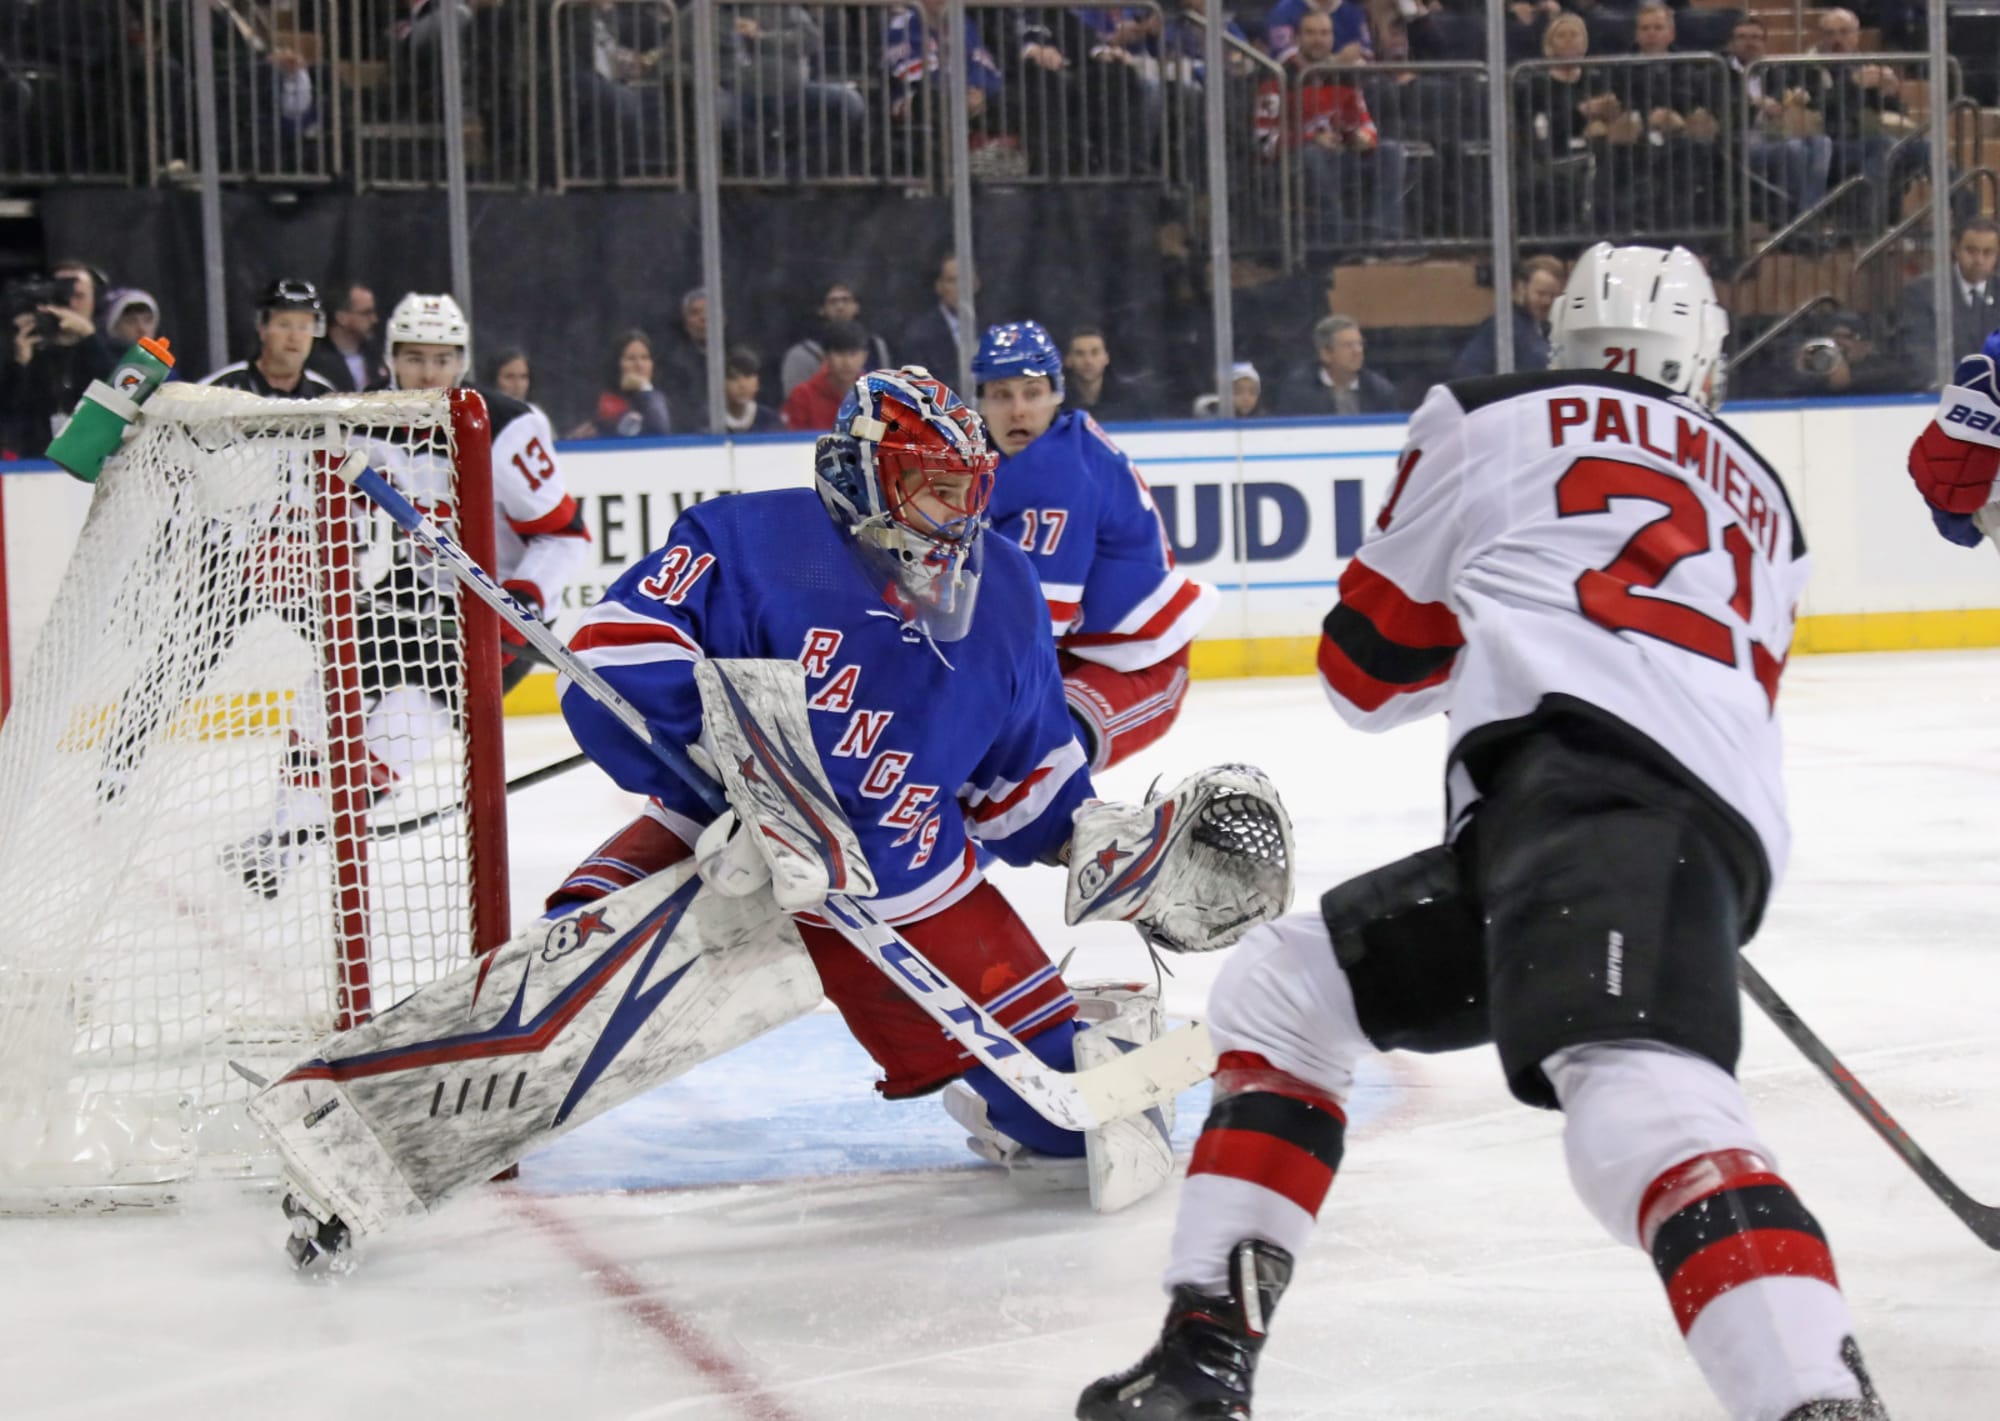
1283	1019
1662	1151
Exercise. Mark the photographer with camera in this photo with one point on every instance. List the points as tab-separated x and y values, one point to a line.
53	352
1837	357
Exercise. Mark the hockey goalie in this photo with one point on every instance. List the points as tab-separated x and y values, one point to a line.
873	681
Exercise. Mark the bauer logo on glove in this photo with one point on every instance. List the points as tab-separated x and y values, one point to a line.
1194	869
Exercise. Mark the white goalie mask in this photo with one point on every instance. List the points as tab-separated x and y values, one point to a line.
1646	311
429	320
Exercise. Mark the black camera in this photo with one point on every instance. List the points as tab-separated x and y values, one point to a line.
28	296
1819	357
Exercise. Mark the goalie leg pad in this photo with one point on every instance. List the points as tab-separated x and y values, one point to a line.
570	1018
1123	1160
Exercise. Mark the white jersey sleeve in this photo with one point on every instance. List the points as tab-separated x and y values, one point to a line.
1584	542
1389	649
540	538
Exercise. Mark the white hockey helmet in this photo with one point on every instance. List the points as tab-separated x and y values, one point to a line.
428	320
1644	310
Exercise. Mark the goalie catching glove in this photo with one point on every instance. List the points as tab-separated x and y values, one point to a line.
1193	869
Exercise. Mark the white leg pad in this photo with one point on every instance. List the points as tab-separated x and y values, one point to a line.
1129	1158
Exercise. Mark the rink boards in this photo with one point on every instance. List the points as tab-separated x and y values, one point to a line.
1268	511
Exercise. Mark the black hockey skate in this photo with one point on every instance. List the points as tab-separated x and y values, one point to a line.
317	1245
1202	1367
1869	1408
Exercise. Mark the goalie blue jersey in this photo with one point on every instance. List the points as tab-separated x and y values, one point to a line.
1076	504
925	758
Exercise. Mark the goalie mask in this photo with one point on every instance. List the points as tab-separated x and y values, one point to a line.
907	475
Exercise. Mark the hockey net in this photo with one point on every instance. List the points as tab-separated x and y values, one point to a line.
250	788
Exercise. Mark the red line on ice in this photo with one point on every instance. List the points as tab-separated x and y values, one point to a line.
680	1334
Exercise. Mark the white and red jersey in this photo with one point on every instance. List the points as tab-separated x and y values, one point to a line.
540	540
1566	536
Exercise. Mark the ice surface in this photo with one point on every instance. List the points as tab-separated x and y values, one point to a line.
766	1239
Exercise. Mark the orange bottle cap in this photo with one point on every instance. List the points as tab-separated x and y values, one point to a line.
156	346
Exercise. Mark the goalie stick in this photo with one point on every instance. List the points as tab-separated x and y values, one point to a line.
1080	1100
1982	1219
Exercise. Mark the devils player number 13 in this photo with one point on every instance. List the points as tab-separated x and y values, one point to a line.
1607	595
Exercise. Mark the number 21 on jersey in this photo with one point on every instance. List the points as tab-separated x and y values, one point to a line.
1611	596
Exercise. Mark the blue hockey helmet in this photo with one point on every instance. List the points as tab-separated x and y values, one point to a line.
907	474
1018	348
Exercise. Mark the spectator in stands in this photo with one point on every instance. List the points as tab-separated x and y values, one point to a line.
629	406
510	373
1327	124
1863	109
1975	305
741	414
683	363
347	357
1351	42
1537	283
1454	32
812	406
130	316
615	113
54	354
803	360
1564	125
780	115
1081	101
1338	382
1093	386
1527	22
910	58
1674	160
1246	391
1782	141
1246	396
931	340
1837	357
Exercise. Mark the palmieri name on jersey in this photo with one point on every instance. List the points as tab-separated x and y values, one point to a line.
1686	441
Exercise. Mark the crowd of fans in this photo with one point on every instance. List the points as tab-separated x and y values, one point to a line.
1706	134
75	322
837	93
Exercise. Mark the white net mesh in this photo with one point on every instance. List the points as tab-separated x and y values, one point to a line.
233	789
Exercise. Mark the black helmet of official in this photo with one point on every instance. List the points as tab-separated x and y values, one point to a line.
289	294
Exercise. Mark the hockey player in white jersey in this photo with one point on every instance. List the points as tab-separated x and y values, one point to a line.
539	544
1595	577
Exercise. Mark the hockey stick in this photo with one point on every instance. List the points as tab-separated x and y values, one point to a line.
1982	1219
1079	1100
397	828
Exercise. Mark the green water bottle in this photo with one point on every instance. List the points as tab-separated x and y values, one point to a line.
108	408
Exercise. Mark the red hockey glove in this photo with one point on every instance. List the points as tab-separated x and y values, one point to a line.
1956	458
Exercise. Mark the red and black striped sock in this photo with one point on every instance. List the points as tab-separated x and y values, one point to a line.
1261	1169
1723	1221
